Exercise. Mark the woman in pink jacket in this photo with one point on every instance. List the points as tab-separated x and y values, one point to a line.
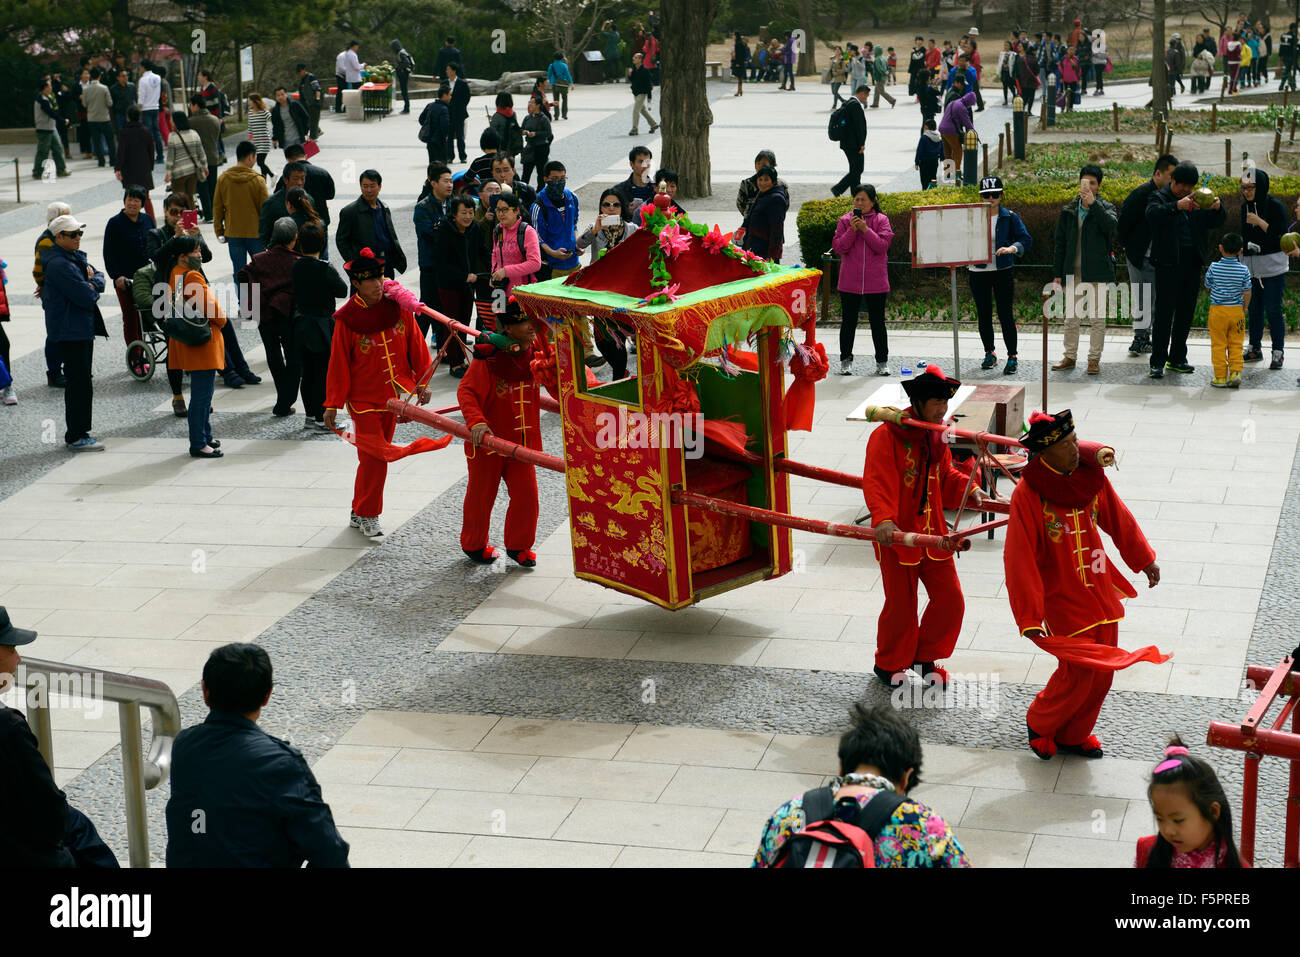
862	241
1070	77
516	251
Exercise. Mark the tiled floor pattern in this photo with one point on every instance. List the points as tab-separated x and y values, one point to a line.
416	789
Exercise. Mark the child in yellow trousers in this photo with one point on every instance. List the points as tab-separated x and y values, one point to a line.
1228	281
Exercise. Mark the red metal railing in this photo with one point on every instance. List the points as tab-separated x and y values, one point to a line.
1276	741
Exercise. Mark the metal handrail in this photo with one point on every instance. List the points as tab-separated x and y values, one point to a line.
130	693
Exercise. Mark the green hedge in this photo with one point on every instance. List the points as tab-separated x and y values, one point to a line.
918	295
1038	205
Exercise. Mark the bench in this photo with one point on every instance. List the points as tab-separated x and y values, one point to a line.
715	69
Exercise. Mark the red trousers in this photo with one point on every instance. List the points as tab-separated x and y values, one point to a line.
900	641
485	473
130	314
1066	710
368	494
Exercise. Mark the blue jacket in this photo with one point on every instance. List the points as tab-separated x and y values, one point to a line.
928	149
557	228
970	77
558	72
67	296
1010	231
126	244
254	795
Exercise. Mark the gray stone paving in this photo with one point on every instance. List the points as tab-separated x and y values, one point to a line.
374	629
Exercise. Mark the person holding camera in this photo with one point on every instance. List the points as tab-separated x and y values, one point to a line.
996	278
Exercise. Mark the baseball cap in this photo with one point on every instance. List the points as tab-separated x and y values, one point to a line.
990	184
9	635
65	224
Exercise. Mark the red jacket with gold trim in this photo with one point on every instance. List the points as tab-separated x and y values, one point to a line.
907	479
1058	573
378	353
501	391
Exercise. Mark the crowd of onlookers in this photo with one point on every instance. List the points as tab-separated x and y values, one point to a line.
243	798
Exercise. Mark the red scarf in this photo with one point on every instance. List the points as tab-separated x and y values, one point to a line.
365	320
507	111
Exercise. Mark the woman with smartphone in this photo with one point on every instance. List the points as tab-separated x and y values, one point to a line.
605	233
862	239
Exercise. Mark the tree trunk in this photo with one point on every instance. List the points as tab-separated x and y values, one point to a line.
934	10
977	9
808	54
121	20
1159	77
684	102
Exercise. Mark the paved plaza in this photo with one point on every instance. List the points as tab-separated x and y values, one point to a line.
463	716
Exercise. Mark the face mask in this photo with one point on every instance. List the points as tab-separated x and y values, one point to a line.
555	187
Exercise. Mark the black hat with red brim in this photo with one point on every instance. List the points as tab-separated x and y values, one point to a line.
930	384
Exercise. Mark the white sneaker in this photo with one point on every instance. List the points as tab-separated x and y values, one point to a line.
370	527
355	520
9	396
882	368
846	367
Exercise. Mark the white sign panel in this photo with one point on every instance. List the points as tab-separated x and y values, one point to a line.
246	64
951	235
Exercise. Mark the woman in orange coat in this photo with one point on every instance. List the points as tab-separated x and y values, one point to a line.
201	362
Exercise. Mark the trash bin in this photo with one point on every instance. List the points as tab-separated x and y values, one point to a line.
591	67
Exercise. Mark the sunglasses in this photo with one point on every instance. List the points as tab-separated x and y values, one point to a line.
611	205
78	234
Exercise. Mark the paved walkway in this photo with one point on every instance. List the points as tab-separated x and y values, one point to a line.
498	716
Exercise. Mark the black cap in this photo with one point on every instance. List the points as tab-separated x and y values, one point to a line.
1045	430
9	635
932	383
990	184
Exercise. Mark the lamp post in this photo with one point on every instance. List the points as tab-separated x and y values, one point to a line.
1018	116
1051	99
970	158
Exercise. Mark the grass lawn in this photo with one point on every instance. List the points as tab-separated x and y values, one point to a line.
1134	120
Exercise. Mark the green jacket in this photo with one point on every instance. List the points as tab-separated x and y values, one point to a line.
880	66
1097	264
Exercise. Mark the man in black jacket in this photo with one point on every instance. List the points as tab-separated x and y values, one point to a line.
257	801
1180	250
295	177
33	807
1134	235
916	72
404	68
448	54
637	188
435	124
368	223
853	139
459	106
311	96
320	186
290	124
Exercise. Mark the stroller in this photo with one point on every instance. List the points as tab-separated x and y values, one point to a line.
144	354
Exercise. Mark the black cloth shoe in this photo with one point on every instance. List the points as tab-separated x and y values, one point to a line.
485	556
888	677
525	557
200	454
56	380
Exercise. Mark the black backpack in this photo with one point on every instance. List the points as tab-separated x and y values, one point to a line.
829	841
835	131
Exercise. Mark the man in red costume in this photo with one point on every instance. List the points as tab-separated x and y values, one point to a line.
377	354
908	480
1064	592
499	397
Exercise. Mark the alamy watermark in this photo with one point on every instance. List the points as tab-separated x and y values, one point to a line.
653	430
77	691
1100	300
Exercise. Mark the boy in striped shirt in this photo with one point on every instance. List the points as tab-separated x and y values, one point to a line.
1228	280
